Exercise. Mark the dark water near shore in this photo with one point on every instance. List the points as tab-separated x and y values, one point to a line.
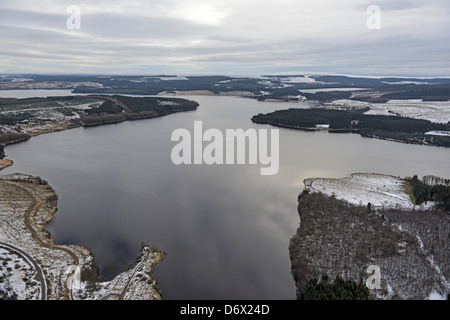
225	228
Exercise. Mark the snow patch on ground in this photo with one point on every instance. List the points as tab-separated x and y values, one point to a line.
348	103
438	133
331	90
362	188
17	277
434	111
304	79
173	78
436	296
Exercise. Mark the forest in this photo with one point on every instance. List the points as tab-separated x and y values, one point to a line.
431	188
395	128
339	289
338	239
19	117
121	108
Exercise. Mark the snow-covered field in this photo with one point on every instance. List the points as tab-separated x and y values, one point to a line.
438	133
331	90
305	79
434	111
18	273
362	188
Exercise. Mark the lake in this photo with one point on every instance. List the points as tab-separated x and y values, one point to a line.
225	229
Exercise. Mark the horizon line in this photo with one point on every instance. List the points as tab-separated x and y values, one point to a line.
279	74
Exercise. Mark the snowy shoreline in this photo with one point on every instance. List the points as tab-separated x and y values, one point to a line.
27	205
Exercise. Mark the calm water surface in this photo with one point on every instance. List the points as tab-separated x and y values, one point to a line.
225	229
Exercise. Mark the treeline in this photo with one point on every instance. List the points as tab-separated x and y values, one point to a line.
14	101
11	137
154	85
99	119
14	118
160	105
431	189
340	289
106	107
433	180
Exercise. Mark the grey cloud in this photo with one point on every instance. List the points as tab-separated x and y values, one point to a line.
116	35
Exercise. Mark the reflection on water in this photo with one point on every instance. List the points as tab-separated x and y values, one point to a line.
225	229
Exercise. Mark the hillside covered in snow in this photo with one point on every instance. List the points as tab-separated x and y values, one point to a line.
341	235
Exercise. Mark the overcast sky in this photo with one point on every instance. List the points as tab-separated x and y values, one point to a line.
234	37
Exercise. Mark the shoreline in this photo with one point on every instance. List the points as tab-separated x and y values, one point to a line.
91	120
78	276
5	163
70	271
